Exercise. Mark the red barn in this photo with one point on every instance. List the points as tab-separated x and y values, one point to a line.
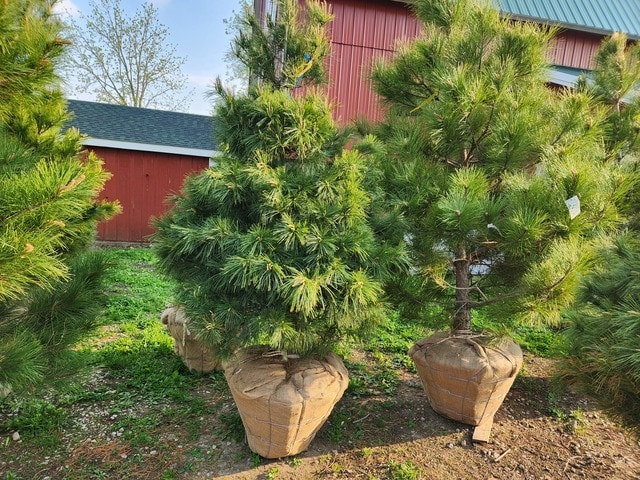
148	152
363	30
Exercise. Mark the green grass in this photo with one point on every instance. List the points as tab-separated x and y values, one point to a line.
134	352
137	294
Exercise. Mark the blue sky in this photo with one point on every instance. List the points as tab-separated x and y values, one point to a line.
196	29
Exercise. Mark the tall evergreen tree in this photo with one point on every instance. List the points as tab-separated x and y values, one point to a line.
271	246
604	321
502	180
48	206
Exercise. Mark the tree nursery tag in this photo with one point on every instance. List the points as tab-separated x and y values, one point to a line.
573	204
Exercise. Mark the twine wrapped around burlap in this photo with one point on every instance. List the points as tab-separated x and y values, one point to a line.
466	377
193	353
283	403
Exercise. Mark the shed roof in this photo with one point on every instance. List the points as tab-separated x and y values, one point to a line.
596	16
132	128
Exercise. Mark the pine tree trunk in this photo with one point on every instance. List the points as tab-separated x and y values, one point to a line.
462	316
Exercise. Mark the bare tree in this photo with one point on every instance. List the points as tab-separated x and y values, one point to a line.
127	60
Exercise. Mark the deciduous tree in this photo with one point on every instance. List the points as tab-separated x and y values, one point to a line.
127	60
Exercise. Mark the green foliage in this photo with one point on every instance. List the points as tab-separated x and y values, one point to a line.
285	49
231	426
476	175
403	471
136	292
48	202
604	333
36	417
39	329
272	245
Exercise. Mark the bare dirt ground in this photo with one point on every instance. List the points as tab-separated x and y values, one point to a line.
538	434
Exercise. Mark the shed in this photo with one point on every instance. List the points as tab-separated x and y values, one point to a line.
148	152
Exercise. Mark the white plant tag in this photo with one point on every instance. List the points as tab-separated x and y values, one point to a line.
573	204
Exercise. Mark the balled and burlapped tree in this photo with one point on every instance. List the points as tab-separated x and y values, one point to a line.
271	247
503	180
48	202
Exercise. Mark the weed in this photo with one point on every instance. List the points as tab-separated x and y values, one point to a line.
295	462
36	416
403	471
336	426
137	431
272	473
365	380
188	467
366	452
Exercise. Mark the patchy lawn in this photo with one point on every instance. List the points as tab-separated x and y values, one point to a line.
136	413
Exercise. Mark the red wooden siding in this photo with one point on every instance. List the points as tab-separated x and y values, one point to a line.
366	30
361	32
575	49
141	182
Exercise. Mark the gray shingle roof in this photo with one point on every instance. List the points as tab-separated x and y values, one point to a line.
159	130
597	16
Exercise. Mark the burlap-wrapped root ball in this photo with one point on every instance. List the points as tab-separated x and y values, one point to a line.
283	403
193	353
466	377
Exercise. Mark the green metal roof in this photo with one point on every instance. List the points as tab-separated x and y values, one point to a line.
597	16
145	129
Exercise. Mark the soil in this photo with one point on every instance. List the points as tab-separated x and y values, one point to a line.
538	434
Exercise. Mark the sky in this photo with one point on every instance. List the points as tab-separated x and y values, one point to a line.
197	31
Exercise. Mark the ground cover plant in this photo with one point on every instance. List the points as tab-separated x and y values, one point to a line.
137	413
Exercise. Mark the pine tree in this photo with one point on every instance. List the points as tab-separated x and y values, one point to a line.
272	246
604	330
603	334
488	165
48	206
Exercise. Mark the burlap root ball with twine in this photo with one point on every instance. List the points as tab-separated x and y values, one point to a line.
193	353
467	377
284	402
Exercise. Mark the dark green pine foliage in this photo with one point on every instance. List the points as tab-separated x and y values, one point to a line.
272	246
479	159
604	332
48	206
604	322
614	84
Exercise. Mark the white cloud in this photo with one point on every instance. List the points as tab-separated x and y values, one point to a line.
66	7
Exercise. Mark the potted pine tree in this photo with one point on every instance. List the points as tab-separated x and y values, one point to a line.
503	181
271	247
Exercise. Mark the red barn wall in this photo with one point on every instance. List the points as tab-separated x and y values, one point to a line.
366	30
141	182
575	49
361	32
